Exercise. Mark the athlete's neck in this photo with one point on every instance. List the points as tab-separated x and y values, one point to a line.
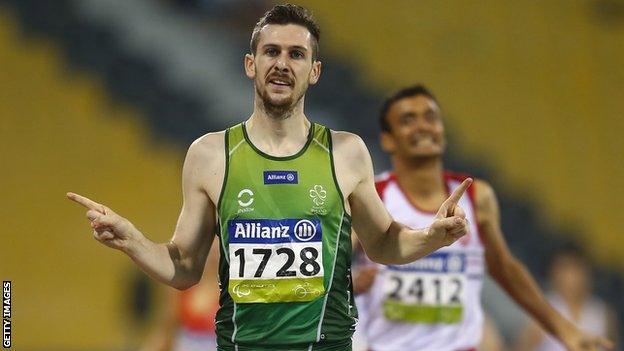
422	179
264	109
278	136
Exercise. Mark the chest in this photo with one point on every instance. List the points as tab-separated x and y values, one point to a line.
406	212
256	186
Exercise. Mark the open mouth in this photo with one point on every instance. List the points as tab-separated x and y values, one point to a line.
423	140
280	81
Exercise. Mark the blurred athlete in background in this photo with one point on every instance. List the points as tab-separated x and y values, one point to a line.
570	281
434	304
185	320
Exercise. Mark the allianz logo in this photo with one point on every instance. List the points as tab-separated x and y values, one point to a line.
436	264
257	230
427	263
289	177
303	230
451	263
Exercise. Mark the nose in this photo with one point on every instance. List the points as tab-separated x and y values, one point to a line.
281	64
420	123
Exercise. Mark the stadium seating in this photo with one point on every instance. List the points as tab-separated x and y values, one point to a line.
60	132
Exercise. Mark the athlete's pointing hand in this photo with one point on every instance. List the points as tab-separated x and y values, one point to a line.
180	261
109	228
450	222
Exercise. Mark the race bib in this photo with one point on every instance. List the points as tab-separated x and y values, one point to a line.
275	260
430	290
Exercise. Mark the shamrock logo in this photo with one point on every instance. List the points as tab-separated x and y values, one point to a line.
318	195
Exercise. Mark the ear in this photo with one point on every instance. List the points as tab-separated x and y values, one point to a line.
387	142
250	67
315	73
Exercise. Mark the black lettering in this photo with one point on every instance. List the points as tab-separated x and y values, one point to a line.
436	282
417	290
241	268
458	289
284	272
395	293
309	261
266	253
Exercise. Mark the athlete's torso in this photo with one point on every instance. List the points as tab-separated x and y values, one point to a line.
285	249
434	303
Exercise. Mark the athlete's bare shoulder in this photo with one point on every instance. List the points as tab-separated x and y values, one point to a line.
207	151
483	191
205	163
209	142
349	144
351	159
485	200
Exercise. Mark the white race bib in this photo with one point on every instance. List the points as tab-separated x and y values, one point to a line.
275	260
431	290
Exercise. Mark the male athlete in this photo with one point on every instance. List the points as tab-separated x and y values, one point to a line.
282	193
433	304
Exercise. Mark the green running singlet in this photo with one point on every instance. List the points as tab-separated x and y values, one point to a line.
284	270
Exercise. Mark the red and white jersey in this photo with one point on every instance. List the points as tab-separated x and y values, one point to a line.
432	304
197	309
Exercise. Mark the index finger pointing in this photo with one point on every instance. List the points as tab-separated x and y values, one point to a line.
86	202
457	194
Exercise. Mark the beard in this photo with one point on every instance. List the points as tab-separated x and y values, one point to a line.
281	109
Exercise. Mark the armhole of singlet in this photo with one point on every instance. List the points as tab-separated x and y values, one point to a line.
227	168
382	182
473	203
333	170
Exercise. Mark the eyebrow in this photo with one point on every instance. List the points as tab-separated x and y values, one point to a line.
299	47
412	113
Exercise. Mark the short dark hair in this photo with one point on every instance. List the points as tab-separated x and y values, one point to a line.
568	249
414	90
288	14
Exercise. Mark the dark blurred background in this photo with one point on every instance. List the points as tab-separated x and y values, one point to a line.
102	97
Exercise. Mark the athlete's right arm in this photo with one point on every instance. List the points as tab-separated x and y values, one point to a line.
180	262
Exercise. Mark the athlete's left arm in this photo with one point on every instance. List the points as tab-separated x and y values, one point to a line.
383	239
512	276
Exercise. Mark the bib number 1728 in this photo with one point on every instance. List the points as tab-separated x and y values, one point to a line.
281	262
275	260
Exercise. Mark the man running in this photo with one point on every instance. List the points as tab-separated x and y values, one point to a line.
433	304
282	193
